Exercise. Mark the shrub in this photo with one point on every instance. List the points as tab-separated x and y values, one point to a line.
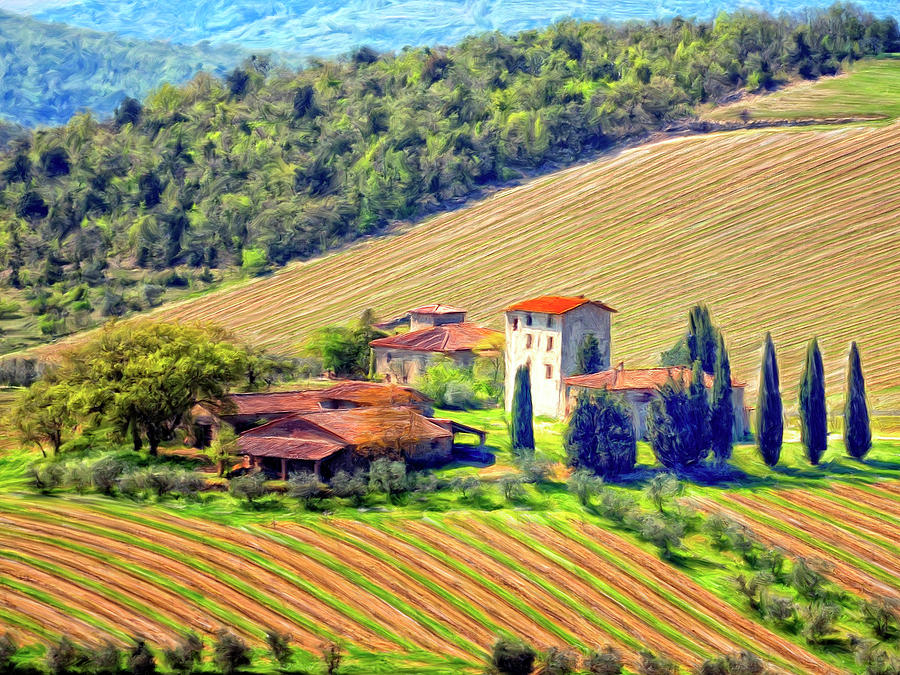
188	483
535	468
105	474
511	485
106	659
251	487
665	534
584	485
230	653
46	478
511	656
279	646
673	429
753	588
599	435
617	505
306	487
819	619
740	663
347	486
662	489
141	660
449	386
79	476
63	656
718	528
807	580
556	661
651	664
883	615
8	649
185	655
388	477
605	662
466	485
162	480
254	261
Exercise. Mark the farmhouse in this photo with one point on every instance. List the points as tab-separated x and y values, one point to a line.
327	441
544	333
246	411
640	386
435	330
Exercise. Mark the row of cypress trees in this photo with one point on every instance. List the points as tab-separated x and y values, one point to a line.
813	412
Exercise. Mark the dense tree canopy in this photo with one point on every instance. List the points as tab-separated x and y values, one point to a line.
599	436
267	165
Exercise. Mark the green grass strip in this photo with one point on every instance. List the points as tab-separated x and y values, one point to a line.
859	508
850	529
50	601
274	568
876	572
228	579
606	589
408	570
500	592
11	617
198	599
104	591
565	528
362	582
562	596
396	563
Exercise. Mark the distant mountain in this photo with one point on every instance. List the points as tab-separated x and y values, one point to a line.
330	27
48	71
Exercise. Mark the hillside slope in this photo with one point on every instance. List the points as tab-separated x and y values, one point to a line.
783	230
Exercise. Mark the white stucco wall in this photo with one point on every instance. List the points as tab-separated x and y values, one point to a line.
406	365
566	330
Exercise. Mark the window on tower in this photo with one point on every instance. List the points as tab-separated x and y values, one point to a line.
548	371
550	343
528	341
516	323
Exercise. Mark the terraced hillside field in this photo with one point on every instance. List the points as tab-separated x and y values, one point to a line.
783	230
434	591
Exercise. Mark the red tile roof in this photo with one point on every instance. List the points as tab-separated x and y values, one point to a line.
645	378
437	308
289	448
555	304
285	402
452	337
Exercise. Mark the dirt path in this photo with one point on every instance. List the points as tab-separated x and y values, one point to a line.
496	609
842	573
582	592
831	534
679	585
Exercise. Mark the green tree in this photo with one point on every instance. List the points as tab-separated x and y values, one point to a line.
251	487
813	414
599	435
721	420
185	655
42	414
769	420
588	358
511	656
857	432
306	487
673	430
143	378
223	448
699	408
230	653
522	428
345	350
8	650
607	661
279	646
699	342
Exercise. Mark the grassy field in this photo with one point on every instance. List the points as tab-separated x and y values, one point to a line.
426	585
868	89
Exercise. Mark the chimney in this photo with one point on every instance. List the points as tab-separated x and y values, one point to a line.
620	366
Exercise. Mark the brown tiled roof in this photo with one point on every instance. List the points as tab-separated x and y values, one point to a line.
286	402
437	308
360	426
555	304
452	337
645	378
287	447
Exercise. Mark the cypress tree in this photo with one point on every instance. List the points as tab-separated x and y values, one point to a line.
522	429
722	414
588	358
699	419
769	422
600	436
857	434
702	337
813	416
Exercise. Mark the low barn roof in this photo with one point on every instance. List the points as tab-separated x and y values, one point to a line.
619	379
452	337
555	304
286	402
288	447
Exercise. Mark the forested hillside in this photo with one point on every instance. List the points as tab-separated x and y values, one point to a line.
48	71
262	167
331	27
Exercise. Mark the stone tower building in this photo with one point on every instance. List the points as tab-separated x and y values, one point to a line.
545	334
